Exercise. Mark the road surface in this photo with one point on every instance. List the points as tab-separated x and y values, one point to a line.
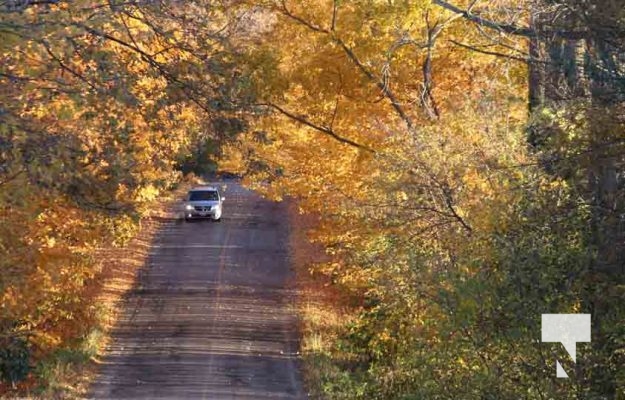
212	316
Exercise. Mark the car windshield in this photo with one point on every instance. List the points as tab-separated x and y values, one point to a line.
203	195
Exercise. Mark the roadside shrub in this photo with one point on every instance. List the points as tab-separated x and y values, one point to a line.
14	354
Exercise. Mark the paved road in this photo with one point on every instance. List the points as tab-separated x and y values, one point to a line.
212	317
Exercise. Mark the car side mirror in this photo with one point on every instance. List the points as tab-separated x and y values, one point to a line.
223	199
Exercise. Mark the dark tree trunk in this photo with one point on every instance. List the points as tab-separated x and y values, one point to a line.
585	75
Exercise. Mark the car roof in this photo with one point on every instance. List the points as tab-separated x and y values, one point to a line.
204	188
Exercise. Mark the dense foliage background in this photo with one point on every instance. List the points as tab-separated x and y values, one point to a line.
465	160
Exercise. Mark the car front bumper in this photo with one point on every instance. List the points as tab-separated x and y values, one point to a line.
200	214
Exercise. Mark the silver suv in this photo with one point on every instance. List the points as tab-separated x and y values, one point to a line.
203	202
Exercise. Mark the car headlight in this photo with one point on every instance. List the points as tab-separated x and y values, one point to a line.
188	207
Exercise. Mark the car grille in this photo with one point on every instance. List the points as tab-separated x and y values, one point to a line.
202	208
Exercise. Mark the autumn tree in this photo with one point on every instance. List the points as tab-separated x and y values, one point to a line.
100	103
405	127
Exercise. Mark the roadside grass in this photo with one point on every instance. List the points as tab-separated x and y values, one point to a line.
322	312
320	327
61	373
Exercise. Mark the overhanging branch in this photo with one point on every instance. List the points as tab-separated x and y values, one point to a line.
380	84
515	29
319	128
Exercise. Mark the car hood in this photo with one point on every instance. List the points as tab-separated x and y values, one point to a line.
203	203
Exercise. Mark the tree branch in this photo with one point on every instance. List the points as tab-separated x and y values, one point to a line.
514	29
323	129
335	7
467	14
63	66
494	53
284	10
11	177
449	202
150	60
386	91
